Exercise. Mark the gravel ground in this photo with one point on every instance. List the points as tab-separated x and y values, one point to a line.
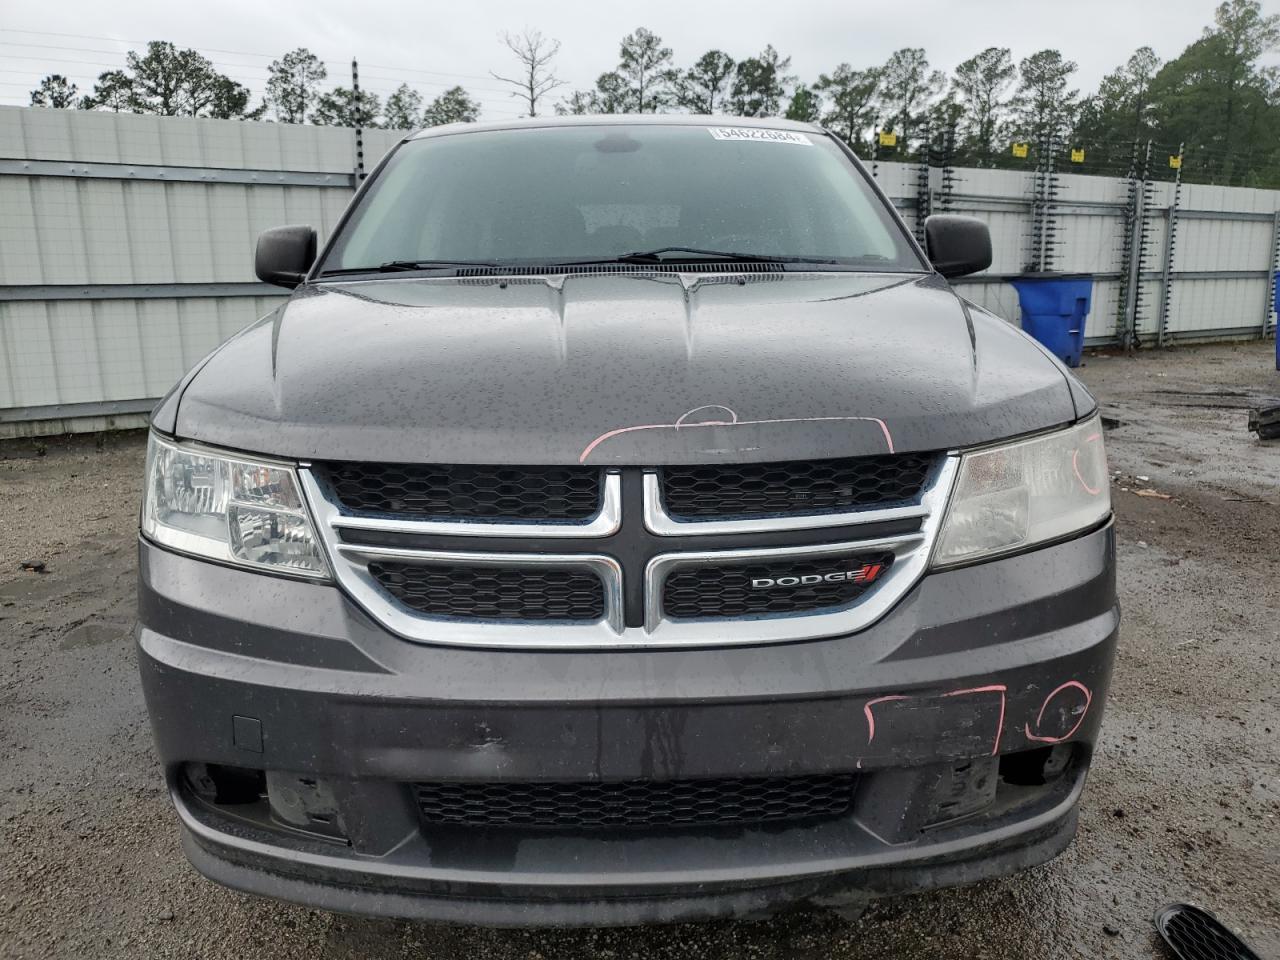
1182	804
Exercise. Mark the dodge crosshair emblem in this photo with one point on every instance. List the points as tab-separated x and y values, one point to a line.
864	574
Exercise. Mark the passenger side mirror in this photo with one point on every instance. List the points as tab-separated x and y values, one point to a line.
957	245
284	255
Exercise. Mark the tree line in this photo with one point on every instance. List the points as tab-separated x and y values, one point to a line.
167	81
1215	104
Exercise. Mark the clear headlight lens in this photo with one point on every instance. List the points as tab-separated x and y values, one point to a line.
227	508
1015	496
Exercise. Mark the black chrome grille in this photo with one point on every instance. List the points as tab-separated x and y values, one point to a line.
796	486
635	803
464	491
1196	934
732	590
493	593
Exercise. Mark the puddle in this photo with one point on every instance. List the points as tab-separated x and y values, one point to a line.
92	633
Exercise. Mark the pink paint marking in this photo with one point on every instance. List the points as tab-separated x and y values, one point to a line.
1088	699
582	458
871	720
733	417
735	422
1075	465
999	688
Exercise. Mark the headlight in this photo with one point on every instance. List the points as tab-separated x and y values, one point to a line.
228	508
1014	496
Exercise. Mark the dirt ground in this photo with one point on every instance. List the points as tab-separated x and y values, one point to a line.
1183	802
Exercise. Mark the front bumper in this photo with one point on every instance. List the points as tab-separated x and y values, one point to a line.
973	669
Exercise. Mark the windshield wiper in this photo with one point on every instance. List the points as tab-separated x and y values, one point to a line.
682	253
393	266
659	255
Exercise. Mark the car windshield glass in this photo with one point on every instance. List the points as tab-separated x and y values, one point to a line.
557	195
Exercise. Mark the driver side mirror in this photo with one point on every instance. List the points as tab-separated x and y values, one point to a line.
284	255
957	245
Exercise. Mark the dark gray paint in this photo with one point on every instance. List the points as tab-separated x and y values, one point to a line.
365	712
533	370
1031	622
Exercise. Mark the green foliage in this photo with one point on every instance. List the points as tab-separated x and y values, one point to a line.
453	106
644	65
576	104
403	110
851	98
172	82
292	84
612	94
704	86
55	91
160	76
340	107
113	91
805	105
224	99
981	84
907	89
759	84
1044	104
643	82
1217	100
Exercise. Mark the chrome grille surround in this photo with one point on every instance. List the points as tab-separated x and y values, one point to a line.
605	522
657	520
911	553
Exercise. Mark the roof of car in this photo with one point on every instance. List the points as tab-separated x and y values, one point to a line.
615	119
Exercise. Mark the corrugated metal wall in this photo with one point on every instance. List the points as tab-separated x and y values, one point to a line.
126	248
1220	276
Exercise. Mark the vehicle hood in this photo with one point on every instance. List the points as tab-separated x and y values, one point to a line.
622	369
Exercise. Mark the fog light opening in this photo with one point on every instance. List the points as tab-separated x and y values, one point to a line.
1035	768
225	785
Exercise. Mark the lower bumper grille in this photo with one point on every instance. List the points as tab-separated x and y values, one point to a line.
489	593
773	587
636	803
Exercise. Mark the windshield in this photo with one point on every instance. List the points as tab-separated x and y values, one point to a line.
558	195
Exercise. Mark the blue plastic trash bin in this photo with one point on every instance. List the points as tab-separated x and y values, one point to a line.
1054	308
1275	290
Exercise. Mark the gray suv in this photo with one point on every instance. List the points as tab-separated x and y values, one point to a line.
624	521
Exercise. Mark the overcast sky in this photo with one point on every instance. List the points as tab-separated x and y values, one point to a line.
433	45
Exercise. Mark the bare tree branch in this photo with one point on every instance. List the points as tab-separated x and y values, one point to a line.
535	53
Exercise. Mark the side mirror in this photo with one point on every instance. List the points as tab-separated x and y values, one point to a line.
957	245
284	255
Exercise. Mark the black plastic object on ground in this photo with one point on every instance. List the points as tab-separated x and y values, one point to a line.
1265	421
1195	934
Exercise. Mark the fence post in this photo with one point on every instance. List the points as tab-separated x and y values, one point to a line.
1128	235
924	193
1138	256
875	148
948	168
1268	308
1170	235
355	97
1045	198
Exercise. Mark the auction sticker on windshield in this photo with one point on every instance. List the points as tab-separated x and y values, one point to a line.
754	133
